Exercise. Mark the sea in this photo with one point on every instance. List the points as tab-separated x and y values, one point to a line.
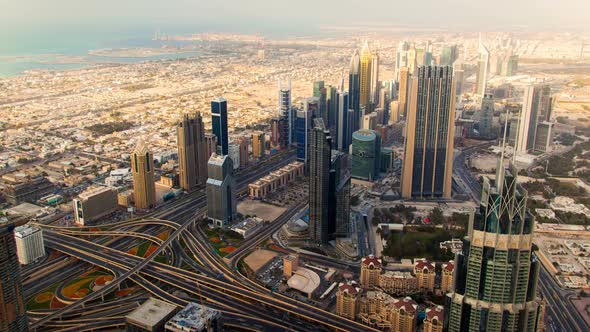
67	47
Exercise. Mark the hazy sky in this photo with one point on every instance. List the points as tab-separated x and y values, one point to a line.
475	14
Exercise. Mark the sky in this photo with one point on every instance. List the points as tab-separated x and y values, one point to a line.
477	15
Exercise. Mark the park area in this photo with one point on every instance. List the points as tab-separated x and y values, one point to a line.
224	242
421	241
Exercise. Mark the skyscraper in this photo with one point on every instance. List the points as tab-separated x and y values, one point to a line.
192	150
142	167
343	127
339	197
487	117
219	124
320	93
483	67
366	151
278	128
449	55
302	133
319	183
354	89
221	196
13	313
459	79
332	106
285	111
404	90
375	84
258	144
401	57
366	69
412	59
428	159
536	108
497	275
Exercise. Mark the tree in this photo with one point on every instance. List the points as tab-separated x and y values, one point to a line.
436	216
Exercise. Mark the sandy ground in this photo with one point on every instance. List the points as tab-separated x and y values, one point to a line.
261	210
259	258
581	306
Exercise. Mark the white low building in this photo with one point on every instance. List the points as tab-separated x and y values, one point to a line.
248	227
29	244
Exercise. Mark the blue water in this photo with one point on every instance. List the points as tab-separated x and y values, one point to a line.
37	48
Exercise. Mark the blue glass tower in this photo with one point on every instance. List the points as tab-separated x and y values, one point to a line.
219	123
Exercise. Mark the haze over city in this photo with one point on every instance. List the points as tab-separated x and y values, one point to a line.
295	166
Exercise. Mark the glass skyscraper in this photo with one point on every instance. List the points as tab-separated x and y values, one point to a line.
496	274
354	89
219	124
320	158
430	127
13	313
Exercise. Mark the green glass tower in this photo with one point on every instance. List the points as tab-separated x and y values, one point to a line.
496	274
366	151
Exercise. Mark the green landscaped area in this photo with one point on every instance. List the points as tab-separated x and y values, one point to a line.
224	242
147	248
422	241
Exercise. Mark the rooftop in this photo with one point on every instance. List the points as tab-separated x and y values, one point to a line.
193	317
25	230
151	312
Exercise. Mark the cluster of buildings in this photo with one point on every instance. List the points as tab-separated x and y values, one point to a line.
276	179
155	315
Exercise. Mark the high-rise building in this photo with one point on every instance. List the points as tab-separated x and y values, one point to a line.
346	298
433	320
258	144
278	133
404	90
536	108
343	126
404	314
93	204
496	281
290	265
366	151
426	274
370	121
366	69
13	313
339	196
192	150
401	57
285	111
544	136
449	55
210	145
483	67
486	127
320	92
221	187
375	83
412	60
332	104
234	155
29	243
370	271
142	168
354	89
320	151
219	124
428	160
459	78
302	134
243	142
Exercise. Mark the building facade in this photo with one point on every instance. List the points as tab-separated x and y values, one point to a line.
258	144
221	196
29	243
13	313
93	204
142	168
192	152
219	124
425	272
346	299
430	128
370	271
319	183
366	151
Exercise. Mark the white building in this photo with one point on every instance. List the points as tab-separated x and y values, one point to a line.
248	227
234	154
195	318
29	243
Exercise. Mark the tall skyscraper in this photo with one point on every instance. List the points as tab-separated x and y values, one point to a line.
496	277
13	313
142	167
258	144
404	90
483	67
428	160
339	197
302	133
219	124
354	89
319	183
449	55
278	133
366	69
332	106
536	108
244	143
459	78
366	151
285	110
343	127
321	94
401	57
375	84
486	117
412	59
221	196
192	150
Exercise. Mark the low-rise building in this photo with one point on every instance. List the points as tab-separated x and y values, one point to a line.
275	180
290	265
426	274
19	188
29	243
93	204
346	299
248	227
151	316
398	283
125	198
195	318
